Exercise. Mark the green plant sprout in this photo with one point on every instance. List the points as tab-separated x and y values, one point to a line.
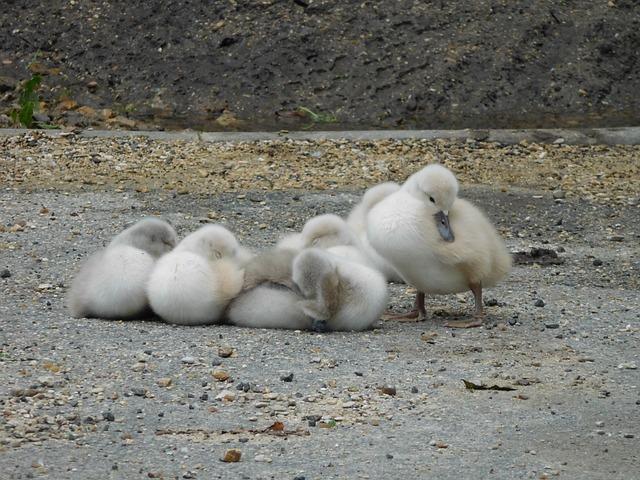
28	102
316	117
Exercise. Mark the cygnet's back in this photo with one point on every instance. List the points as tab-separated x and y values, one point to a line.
272	266
269	298
194	284
111	283
152	235
268	306
322	231
357	218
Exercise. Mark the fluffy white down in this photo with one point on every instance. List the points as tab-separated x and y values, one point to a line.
350	252
185	289
404	233
364	297
111	284
345	294
268	307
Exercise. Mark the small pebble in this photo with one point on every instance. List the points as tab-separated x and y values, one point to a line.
188	360
414	389
225	352
552	325
388	390
138	392
628	366
243	386
164	382
5	273
220	375
232	456
539	303
628	435
597	262
287	378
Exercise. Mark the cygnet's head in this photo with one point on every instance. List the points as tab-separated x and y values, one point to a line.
437	187
308	269
154	236
326	231
212	242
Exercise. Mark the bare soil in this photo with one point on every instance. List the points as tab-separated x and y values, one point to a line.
250	65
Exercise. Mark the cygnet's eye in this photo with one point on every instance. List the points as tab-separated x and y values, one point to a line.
315	241
432	200
217	254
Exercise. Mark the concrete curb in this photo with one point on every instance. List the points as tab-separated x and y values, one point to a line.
585	136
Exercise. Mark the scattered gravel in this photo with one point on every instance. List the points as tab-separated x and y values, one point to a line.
606	174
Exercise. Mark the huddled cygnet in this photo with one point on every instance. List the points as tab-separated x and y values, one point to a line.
332	275
112	282
339	293
194	283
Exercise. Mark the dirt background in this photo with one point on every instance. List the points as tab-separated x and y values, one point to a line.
251	64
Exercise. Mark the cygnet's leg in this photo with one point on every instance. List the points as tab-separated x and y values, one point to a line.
418	314
478	316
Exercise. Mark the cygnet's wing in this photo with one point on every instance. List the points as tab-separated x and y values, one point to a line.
326	305
273	266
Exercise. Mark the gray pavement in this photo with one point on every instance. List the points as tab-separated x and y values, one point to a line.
88	399
582	136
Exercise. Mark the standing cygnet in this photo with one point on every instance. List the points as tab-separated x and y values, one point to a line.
195	282
322	231
269	298
357	221
111	283
439	243
343	294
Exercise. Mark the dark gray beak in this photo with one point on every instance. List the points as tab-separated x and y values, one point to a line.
442	221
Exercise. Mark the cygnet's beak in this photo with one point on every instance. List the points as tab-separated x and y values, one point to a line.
442	221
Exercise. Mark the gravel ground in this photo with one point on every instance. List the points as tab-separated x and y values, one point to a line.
98	399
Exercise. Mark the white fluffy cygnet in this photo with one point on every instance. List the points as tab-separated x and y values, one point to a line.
195	282
357	221
438	242
345	295
269	298
111	283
